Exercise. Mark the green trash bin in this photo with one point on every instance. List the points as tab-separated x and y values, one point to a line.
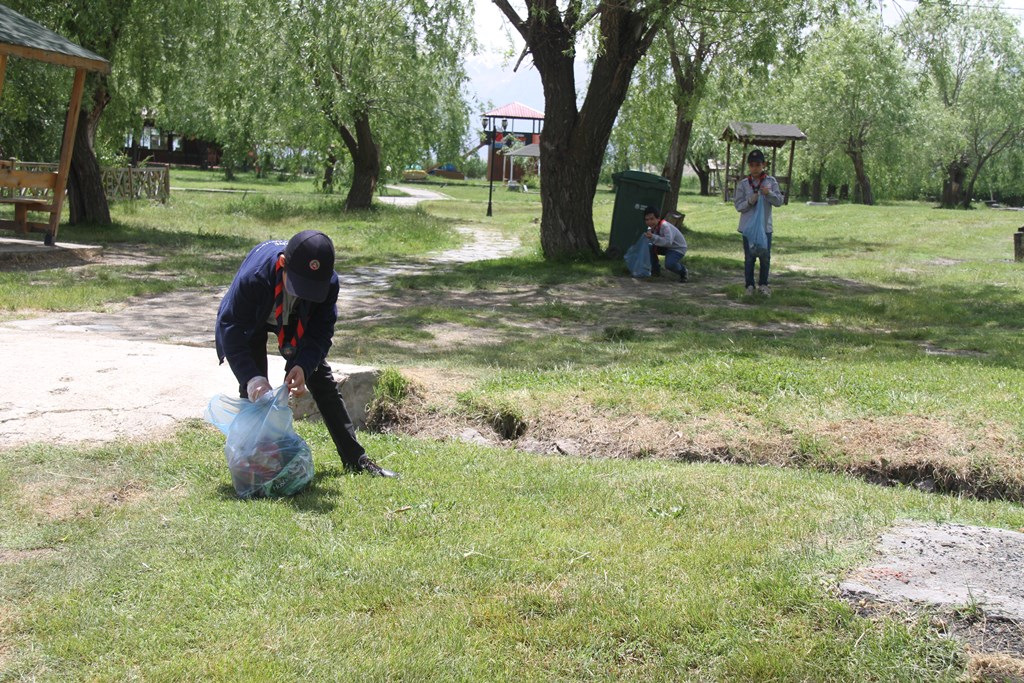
635	191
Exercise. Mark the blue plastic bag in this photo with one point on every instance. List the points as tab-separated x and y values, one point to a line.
638	258
755	232
266	458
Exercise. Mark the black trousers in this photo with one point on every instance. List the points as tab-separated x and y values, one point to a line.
324	389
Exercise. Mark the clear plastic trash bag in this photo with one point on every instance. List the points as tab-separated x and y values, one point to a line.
638	258
757	236
265	456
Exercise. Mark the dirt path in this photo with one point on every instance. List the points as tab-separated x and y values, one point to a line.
137	370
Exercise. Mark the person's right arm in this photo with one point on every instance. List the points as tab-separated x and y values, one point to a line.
238	321
742	199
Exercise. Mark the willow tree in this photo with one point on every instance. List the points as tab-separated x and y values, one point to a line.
698	39
972	59
575	136
140	39
376	73
854	94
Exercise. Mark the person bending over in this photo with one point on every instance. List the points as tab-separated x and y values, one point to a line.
290	289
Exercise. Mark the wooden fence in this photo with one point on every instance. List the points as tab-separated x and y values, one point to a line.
144	182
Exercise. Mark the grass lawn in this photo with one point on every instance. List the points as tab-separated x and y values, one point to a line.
198	239
891	341
890	346
477	565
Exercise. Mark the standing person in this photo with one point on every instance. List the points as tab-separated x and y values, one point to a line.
757	184
290	289
665	239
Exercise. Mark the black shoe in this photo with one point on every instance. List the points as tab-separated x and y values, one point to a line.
683	277
373	469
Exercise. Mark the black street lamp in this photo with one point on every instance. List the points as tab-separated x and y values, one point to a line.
488	124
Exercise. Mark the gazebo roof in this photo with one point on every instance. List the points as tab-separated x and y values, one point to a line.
531	150
516	110
767	134
22	37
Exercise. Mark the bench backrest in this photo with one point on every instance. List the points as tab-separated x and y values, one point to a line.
31	183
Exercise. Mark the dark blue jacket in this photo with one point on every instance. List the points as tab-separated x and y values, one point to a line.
246	308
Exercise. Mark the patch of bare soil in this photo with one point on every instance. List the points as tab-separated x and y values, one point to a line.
17	556
64	498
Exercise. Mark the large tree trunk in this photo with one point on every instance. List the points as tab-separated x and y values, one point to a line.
87	203
688	71
953	186
676	161
328	183
816	183
704	176
574	140
857	157
365	163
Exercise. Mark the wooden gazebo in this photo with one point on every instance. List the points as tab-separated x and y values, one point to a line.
22	37
762	135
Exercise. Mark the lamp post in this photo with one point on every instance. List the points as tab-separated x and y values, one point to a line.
488	124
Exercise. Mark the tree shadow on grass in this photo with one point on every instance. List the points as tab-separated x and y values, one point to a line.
533	312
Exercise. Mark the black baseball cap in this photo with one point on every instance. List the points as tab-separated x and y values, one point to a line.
309	264
755	155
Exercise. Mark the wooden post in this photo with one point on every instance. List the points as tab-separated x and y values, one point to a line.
67	147
3	71
789	173
1018	245
728	160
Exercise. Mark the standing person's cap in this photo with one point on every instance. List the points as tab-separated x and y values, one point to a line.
755	156
309	264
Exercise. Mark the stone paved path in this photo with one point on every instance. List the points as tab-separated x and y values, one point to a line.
83	376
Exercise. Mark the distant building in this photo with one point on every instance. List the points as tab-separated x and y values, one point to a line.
499	124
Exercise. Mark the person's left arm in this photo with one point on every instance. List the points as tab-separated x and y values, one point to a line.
316	338
774	194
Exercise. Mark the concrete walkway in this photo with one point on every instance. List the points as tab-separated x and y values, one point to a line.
134	372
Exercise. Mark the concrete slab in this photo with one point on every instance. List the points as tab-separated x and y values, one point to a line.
946	565
15	250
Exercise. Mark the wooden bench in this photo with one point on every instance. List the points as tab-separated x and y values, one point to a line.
32	181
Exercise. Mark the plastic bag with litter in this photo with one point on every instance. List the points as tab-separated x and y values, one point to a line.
265	456
638	258
754	231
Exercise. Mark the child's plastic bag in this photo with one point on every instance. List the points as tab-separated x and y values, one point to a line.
638	258
754	231
265	456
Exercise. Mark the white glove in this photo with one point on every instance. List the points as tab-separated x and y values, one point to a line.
256	387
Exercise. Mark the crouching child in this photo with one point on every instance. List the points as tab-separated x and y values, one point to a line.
665	240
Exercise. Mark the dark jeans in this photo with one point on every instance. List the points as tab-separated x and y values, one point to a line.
748	263
324	389
673	261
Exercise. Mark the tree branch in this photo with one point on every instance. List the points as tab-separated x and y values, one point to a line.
514	18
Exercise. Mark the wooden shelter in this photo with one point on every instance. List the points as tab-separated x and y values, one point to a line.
42	192
774	135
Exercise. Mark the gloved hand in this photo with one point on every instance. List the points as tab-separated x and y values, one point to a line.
256	387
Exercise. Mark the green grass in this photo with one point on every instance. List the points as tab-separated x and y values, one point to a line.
198	239
490	564
477	565
900	319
